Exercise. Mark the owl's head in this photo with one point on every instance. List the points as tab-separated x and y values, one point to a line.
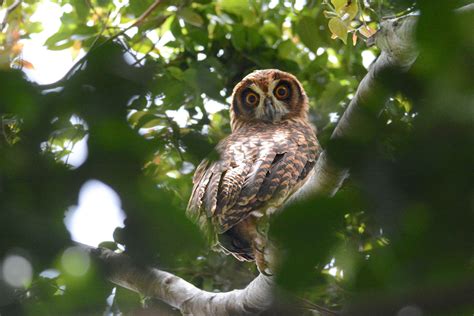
269	95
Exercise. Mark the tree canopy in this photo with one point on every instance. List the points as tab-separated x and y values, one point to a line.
150	98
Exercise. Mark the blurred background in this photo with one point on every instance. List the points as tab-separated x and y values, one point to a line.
107	107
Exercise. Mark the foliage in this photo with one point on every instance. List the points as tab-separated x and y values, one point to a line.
403	224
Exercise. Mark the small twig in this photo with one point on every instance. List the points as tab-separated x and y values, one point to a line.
104	27
10	9
4	132
89	4
175	138
138	21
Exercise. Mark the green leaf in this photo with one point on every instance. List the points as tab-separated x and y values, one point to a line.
344	7
245	38
307	31
176	72
191	17
144	46
33	27
338	28
351	10
59	41
287	49
238	37
237	7
339	4
271	32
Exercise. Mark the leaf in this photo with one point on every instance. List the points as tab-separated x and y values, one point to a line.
33	27
329	14
17	48
351	10
367	31
338	28
176	72
307	32
346	9
145	45
354	38
26	64
339	4
270	32
237	7
153	123
244	38
287	49
136	116
191	17
58	41
76	48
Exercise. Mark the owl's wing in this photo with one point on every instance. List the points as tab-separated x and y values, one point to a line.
256	170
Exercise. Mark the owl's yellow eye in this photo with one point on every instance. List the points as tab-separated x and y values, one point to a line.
251	98
282	92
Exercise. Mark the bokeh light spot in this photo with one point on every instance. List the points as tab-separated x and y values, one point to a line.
97	215
75	261
17	271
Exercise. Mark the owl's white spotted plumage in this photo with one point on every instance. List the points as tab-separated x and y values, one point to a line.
268	157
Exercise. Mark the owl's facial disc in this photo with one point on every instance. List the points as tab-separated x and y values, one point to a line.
268	95
273	103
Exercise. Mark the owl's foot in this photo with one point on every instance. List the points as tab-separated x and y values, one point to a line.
262	264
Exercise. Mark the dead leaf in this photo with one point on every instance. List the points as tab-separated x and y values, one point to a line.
24	64
367	31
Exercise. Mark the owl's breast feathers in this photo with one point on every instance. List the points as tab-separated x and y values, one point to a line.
260	167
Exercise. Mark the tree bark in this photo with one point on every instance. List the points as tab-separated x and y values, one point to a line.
178	293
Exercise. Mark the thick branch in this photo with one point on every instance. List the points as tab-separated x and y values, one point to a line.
121	270
395	39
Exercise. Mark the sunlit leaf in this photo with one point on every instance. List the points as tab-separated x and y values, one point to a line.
76	49
238	7
338	28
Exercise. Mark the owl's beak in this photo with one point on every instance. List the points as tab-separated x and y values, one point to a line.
270	111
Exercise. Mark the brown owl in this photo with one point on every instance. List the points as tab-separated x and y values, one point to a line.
266	160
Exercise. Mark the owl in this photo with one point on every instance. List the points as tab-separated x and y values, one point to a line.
266	160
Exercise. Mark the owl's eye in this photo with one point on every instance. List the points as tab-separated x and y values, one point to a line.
282	92
251	98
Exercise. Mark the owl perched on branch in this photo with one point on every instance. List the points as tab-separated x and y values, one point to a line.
269	156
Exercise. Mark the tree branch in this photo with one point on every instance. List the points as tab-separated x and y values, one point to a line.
10	9
121	270
395	39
